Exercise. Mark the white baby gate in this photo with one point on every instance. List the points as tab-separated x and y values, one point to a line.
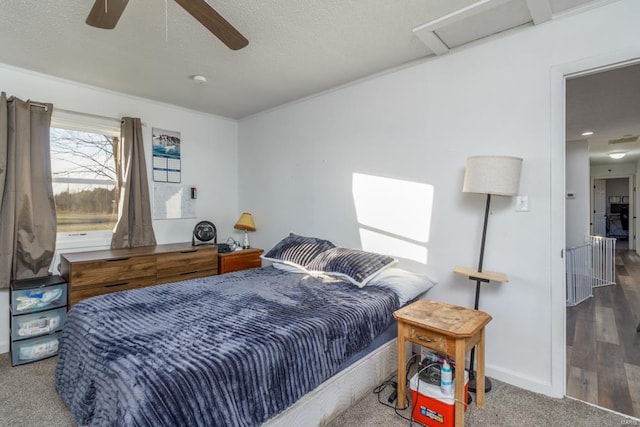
589	266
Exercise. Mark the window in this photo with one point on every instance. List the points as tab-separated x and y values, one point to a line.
85	189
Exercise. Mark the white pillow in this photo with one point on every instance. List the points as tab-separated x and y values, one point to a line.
405	284
289	267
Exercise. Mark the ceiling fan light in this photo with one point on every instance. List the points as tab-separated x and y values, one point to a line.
617	156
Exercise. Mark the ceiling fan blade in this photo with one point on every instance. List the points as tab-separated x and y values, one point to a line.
106	19
215	23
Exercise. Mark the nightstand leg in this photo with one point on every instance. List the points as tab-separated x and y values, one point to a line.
459	391
402	368
480	372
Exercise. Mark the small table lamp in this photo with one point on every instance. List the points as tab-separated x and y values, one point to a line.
245	223
498	175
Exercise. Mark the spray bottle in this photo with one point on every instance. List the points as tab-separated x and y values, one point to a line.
446	379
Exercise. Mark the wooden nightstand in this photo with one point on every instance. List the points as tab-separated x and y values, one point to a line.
239	260
447	329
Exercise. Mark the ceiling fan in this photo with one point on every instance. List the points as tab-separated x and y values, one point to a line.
106	13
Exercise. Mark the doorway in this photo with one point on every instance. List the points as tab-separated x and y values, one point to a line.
602	354
612	210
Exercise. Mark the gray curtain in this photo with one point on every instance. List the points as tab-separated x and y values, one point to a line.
27	208
134	227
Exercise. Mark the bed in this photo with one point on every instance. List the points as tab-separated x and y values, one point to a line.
235	349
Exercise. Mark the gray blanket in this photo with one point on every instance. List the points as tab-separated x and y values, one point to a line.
229	350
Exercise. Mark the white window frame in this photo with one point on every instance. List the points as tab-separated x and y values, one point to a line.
74	241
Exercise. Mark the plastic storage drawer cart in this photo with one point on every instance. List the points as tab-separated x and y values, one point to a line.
38	311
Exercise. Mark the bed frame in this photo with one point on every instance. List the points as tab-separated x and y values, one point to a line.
340	392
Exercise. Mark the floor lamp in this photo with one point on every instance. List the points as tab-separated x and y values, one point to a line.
490	175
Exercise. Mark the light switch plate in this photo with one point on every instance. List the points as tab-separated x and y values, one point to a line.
522	204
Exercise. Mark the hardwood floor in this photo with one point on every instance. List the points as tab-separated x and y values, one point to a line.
603	347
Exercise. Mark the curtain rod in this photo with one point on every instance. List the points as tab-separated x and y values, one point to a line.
78	113
35	104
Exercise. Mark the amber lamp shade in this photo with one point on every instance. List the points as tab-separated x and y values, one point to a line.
245	223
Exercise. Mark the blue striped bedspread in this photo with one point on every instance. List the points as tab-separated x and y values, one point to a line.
229	350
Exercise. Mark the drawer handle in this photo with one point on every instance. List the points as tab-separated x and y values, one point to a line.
116	284
425	339
189	252
117	259
188	272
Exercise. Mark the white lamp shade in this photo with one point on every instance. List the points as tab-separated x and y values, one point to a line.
499	175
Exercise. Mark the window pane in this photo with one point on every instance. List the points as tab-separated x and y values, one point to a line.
84	175
85	207
86	155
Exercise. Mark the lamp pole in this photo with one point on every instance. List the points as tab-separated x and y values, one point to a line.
472	372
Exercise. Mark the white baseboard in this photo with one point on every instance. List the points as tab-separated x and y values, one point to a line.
4	347
517	379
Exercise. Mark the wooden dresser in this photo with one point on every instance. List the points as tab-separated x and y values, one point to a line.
99	272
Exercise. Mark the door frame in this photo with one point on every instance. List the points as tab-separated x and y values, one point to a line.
558	144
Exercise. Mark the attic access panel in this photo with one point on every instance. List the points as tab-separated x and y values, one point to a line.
492	21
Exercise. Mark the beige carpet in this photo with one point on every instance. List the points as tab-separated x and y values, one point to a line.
28	398
505	406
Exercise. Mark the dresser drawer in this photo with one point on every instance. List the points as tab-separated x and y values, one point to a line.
33	349
431	339
33	325
37	299
187	264
78	295
116	271
186	276
240	263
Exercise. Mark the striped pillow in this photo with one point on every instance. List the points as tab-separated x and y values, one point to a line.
352	264
297	251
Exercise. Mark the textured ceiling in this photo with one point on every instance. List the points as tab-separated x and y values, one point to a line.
296	47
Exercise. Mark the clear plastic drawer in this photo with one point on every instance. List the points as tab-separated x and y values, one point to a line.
33	349
33	325
38	299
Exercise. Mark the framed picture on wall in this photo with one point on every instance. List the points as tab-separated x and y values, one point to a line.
614	199
625	199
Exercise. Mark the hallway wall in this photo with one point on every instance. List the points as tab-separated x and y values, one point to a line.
577	184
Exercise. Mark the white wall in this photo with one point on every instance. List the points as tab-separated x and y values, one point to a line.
578	183
419	125
209	151
613	170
